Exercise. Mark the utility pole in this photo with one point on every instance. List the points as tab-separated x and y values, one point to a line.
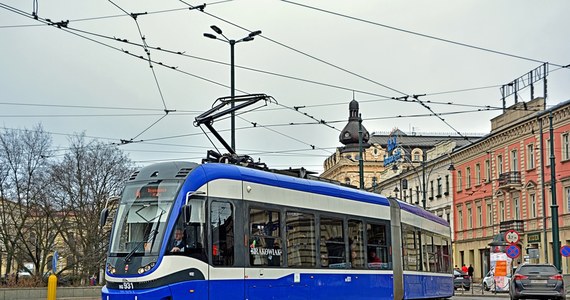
360	161
543	188
554	206
424	192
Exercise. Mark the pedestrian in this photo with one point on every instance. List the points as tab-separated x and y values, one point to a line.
464	268
470	271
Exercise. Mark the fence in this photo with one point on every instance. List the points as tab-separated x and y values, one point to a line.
92	292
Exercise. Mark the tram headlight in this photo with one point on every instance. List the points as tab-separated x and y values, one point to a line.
111	269
141	270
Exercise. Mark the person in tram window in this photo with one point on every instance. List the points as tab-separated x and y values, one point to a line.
178	244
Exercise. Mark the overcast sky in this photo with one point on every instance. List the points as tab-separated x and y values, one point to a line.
316	55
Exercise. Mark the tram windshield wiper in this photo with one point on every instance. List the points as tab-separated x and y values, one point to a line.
150	237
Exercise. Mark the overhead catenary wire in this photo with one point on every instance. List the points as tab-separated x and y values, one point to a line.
420	34
327	122
276	74
147	51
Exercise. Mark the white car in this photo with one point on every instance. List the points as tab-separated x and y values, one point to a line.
489	281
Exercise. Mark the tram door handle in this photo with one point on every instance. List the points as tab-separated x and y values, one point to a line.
261	272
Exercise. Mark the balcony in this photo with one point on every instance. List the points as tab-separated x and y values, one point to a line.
510	180
516	225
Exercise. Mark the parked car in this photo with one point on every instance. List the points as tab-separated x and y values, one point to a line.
537	281
461	280
489	281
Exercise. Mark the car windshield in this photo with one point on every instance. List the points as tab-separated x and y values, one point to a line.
141	217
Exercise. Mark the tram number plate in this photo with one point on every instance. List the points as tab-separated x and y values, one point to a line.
538	281
126	286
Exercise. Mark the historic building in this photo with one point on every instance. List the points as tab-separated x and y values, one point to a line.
502	182
381	153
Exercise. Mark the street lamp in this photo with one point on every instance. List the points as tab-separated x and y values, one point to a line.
232	43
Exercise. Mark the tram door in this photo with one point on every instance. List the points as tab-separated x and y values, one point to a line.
226	281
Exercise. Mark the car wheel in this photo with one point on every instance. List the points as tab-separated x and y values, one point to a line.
466	288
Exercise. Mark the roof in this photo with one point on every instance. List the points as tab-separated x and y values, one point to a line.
423	141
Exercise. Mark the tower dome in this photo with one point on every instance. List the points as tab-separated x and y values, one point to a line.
349	135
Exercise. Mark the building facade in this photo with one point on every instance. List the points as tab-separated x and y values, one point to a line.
502	182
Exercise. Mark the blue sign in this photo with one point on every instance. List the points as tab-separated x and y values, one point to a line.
513	251
391	144
390	159
54	262
565	250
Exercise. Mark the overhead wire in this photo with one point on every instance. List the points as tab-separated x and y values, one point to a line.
147	51
289	107
419	34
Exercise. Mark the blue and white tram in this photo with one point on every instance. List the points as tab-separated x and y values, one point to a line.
252	234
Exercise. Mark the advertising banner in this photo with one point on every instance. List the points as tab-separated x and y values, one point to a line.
501	270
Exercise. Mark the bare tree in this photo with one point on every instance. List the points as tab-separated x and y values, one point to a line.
27	231
88	175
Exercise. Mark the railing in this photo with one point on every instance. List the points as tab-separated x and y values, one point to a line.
509	179
517	225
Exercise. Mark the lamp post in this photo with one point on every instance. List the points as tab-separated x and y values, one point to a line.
360	160
232	43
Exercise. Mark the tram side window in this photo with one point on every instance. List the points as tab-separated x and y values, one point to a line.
356	243
301	243
429	257
265	242
438	255
446	255
332	243
411	253
189	239
377	247
222	228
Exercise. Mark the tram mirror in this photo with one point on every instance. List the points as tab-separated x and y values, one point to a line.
103	217
187	213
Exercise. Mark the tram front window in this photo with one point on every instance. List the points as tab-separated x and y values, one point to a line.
141	218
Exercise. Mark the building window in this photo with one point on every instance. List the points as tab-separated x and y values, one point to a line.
517	208
468	177
532	202
567	197
501	211
530	156
417	194
459	219
469	218
477	174
439	187
431	189
447	184
499	165
489	214
488	170
514	160
547	154
565	146
416	156
459	181
479	216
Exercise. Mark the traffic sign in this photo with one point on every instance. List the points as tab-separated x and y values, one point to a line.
513	251
565	250
54	262
512	237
